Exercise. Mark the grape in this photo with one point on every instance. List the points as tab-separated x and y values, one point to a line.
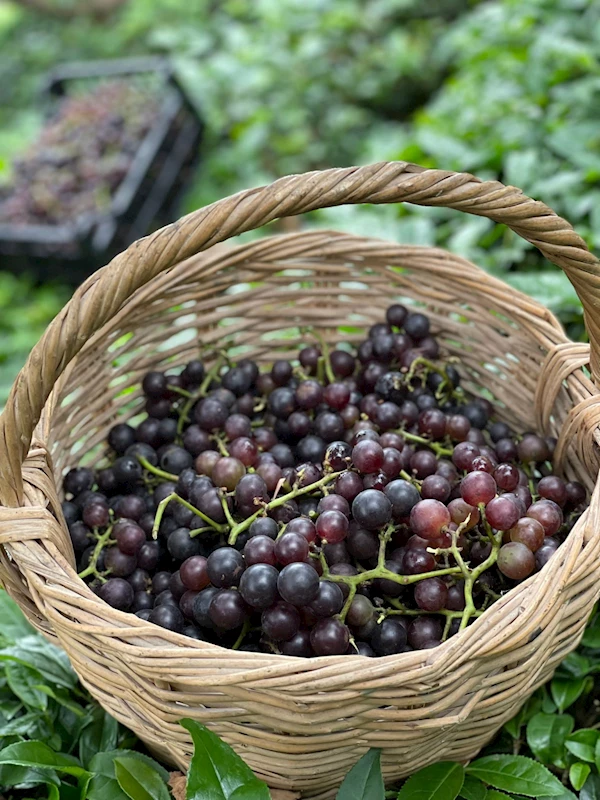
260	550
371	509
455	600
423	463
298	584
403	497
502	513
576	494
120	437
546	551
435	487
506	477
129	537
553	488
428	518
387	586
361	610
532	448
463	454
389	637
227	610
338	455
119	564
227	473
548	514
264	526
251	490
280	622
299	645
431	594
416	562
194	573
361	543
478	487
363	649
117	593
460	512
160	582
516	561
177	586
167	616
291	547
396	315
201	607
529	532
329	600
329	637
348	485
332	526
423	630
367	456
432	423
258	586
181	545
141	600
148	555
225	567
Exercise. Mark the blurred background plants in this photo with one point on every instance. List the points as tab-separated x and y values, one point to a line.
507	89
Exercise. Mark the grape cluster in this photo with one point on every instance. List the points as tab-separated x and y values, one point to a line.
81	156
352	502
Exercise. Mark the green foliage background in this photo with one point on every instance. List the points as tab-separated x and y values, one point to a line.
504	88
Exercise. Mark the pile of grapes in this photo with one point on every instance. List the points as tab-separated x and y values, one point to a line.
80	157
353	503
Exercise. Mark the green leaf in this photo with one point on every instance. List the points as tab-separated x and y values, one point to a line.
546	735
583	744
24	682
442	781
516	774
578	774
104	782
591	788
26	777
472	789
139	781
14	625
100	735
591	636
566	691
364	781
216	771
49	661
38	755
494	794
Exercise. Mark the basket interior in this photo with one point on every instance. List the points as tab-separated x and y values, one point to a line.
262	299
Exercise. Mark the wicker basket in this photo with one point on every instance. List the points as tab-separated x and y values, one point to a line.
301	723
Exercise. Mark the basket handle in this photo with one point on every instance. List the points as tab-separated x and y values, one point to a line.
101	296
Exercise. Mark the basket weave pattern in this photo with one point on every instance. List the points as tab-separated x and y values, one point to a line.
301	724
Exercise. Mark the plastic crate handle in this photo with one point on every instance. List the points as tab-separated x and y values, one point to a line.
103	294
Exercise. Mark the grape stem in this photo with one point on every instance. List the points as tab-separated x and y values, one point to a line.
230	520
279	501
437	448
160	473
238	642
410	478
221	446
324	362
92	568
496	541
178	390
174	496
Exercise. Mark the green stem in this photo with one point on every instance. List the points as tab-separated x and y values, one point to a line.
179	390
160	473
221	446
496	541
241	637
91	569
279	501
348	603
410	478
230	520
324	358
161	510
437	448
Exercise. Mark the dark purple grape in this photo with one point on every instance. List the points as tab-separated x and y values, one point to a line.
298	645
329	637
258	586
167	616
298	584
228	610
329	600
389	637
119	564
182	545
225	567
280	622
118	593
372	509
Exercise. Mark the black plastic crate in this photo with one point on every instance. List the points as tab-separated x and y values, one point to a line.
148	197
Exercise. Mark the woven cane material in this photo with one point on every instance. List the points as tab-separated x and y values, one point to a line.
301	723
